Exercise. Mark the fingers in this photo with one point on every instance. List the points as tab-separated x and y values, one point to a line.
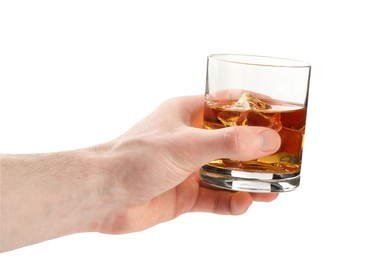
228	203
202	146
222	202
238	143
264	197
184	109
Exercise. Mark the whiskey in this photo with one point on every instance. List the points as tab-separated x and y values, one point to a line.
257	110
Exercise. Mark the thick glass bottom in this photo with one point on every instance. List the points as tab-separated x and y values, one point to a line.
233	179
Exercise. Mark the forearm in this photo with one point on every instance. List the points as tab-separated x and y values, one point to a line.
46	196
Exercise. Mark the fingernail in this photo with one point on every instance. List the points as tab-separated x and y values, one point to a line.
269	141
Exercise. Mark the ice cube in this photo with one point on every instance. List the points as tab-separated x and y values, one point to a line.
249	110
248	102
233	118
275	121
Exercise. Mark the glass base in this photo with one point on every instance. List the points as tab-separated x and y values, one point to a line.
249	181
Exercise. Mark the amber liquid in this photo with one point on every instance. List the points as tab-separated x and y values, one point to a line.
288	119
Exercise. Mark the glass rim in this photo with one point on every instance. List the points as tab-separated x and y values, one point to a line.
259	60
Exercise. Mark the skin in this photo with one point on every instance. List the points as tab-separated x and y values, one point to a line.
146	176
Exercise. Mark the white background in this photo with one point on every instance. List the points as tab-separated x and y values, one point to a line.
76	73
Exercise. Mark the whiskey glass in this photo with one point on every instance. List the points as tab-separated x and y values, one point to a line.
250	90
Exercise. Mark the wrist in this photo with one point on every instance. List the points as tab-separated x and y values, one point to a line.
96	199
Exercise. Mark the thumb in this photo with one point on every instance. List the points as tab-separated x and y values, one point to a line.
237	143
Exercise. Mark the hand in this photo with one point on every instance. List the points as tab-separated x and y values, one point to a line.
155	165
144	177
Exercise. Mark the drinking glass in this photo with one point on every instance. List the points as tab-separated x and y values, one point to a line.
249	90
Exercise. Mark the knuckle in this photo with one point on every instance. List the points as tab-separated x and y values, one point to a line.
231	139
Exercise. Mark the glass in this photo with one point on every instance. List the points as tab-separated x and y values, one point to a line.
248	90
